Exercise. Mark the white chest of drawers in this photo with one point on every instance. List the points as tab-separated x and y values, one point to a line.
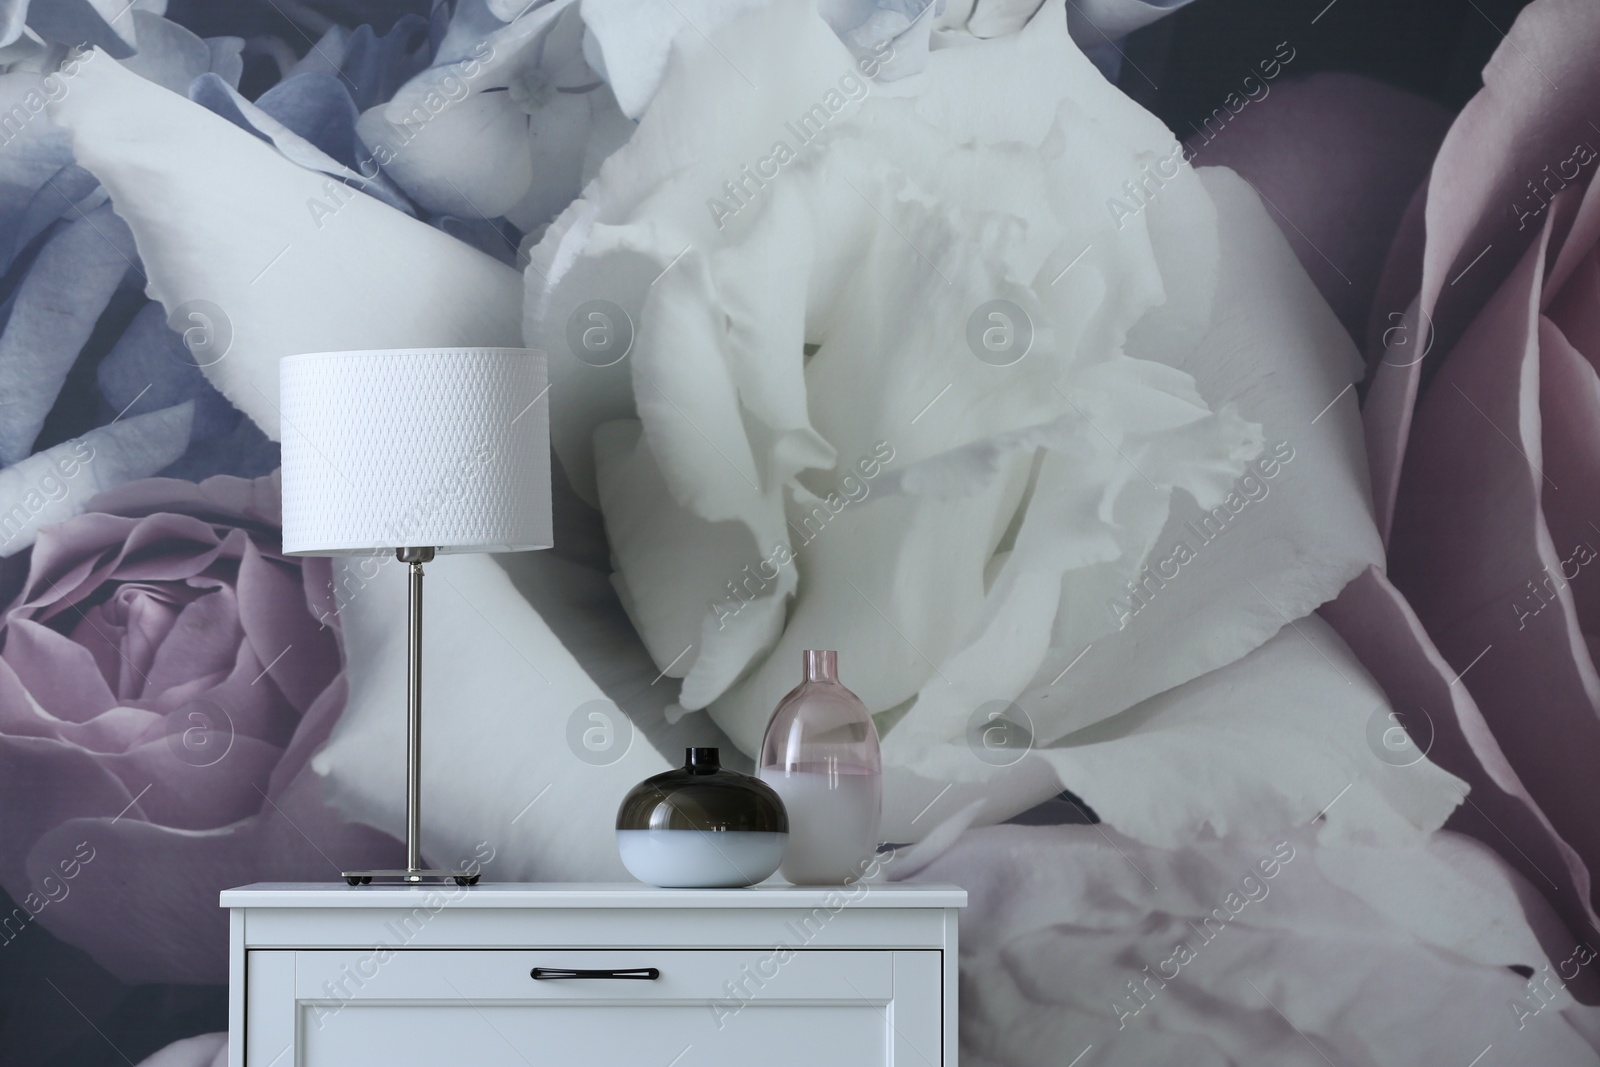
506	975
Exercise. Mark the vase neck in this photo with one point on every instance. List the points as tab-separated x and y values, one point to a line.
701	760
820	666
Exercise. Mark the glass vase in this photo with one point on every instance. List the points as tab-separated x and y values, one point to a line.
820	754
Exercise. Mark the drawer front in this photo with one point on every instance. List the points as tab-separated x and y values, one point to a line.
776	1007
506	974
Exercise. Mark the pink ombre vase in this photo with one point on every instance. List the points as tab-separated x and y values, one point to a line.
821	756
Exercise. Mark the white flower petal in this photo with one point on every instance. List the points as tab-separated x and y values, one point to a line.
469	160
598	389
1265	743
28	50
221	217
669	598
635	36
568	138
297	149
1277	351
1446	877
971	93
999	18
1259	746
12	16
892	35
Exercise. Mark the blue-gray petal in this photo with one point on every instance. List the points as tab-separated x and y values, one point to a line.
51	201
1091	21
211	93
149	368
55	311
31	149
1100	26
376	66
227	58
218	97
468	27
74	22
168	54
244	453
325	55
317	107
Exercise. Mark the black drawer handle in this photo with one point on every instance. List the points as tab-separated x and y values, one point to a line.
642	974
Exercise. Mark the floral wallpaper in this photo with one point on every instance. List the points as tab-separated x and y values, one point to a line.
1183	418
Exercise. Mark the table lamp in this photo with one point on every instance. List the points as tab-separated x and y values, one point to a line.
415	451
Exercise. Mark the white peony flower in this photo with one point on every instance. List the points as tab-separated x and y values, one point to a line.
809	445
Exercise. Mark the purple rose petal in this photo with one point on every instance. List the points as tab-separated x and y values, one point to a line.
1471	550
1445	723
1478	208
150	886
46	663
163	683
272	610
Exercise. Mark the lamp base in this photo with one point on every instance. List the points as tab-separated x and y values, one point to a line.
405	877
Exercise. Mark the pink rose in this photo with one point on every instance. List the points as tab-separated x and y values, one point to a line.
1482	410
1486	451
164	681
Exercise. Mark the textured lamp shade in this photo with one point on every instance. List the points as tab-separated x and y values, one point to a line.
446	448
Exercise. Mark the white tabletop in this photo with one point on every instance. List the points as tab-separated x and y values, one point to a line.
594	895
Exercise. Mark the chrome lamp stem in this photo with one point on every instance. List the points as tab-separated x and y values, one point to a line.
416	557
414	872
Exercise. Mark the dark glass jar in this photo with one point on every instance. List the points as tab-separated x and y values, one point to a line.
701	826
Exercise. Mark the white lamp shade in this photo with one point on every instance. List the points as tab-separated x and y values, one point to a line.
444	448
